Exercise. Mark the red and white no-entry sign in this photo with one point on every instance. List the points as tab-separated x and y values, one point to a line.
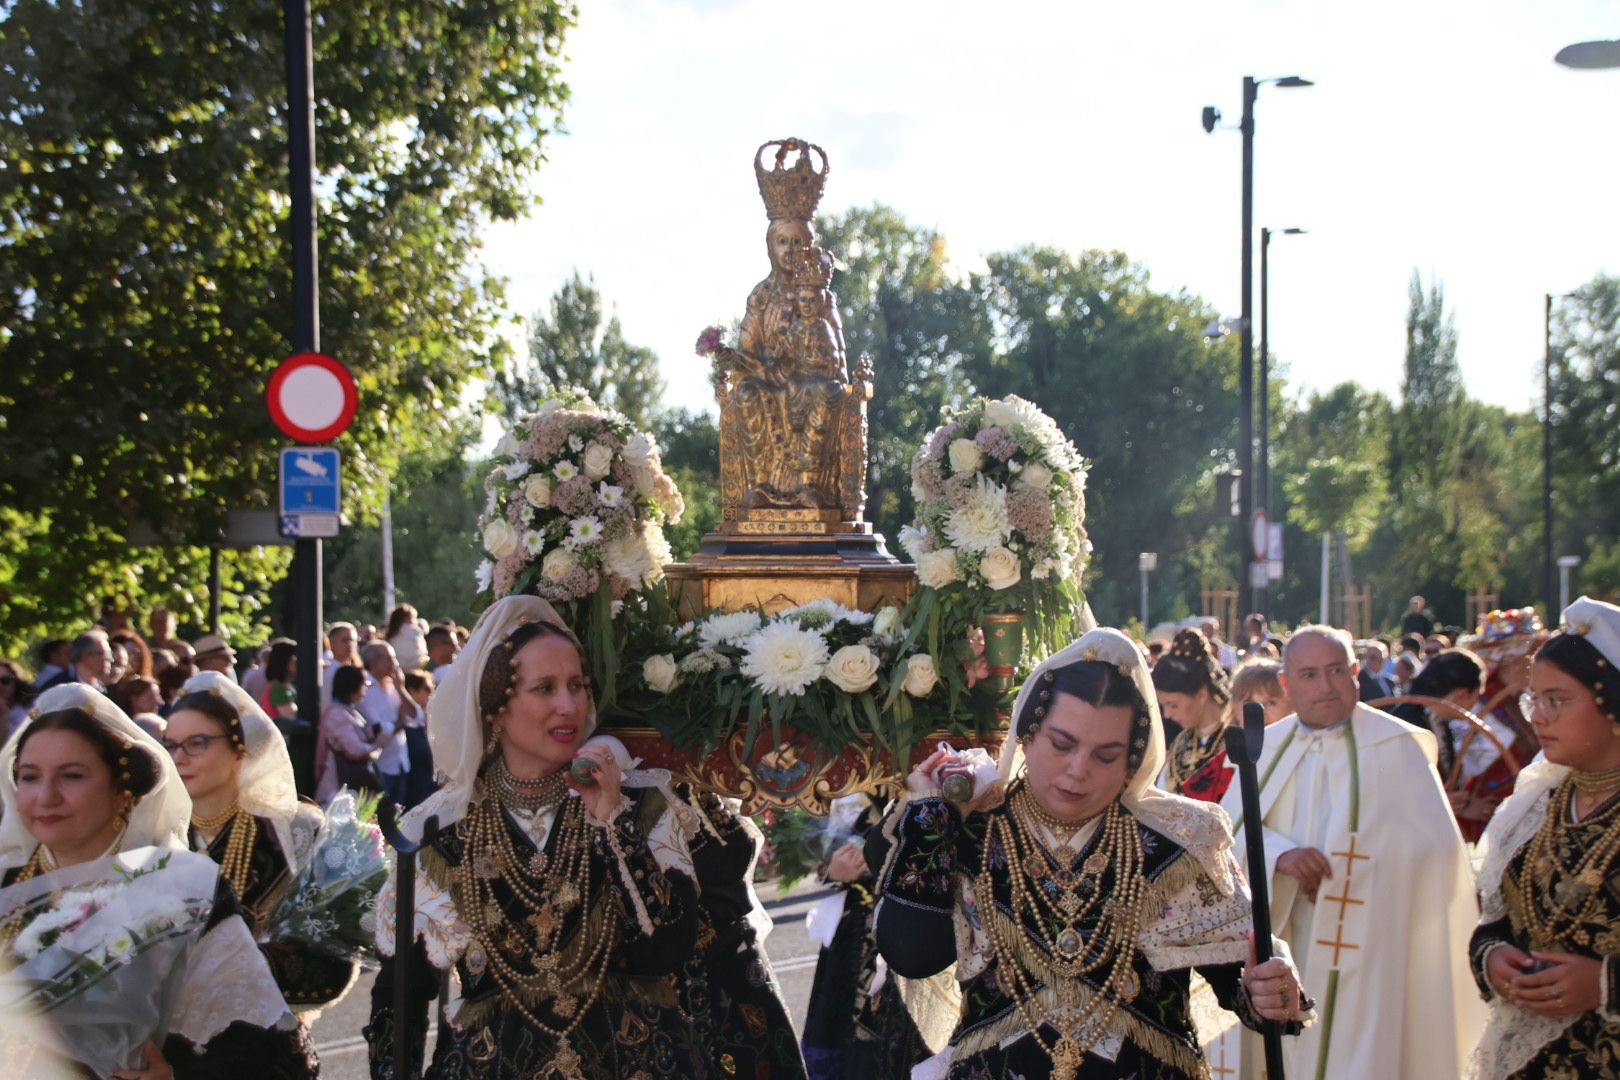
312	397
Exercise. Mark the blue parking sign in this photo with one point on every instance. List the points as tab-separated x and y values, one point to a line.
309	480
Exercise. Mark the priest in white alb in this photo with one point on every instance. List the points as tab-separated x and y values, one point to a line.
1370	882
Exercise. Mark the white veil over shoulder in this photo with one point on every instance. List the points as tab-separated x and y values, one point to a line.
1199	828
265	787
159	818
455	721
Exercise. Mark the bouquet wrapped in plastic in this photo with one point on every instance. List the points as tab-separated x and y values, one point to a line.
329	908
803	844
100	953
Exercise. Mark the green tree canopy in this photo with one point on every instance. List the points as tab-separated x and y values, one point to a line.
1125	370
144	286
571	346
1586	414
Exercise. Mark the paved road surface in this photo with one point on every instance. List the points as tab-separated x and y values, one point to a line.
343	1051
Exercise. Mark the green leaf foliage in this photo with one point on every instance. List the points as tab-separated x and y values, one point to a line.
145	283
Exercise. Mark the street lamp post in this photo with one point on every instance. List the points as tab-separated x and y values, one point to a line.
1263	480
1251	89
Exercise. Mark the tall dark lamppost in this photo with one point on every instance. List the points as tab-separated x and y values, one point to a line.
1263	480
1548	581
1251	88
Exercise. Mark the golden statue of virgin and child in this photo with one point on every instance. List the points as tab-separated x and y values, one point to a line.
793	421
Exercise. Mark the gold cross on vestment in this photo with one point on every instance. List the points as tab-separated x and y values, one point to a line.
1350	857
1222	1069
1337	943
1344	900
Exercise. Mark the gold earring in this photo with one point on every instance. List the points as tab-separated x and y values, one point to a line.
494	739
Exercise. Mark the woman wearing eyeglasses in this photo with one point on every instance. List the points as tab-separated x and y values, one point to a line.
1546	954
246	816
103	912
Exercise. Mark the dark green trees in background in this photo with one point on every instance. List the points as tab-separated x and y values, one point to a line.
144	286
1586	416
570	345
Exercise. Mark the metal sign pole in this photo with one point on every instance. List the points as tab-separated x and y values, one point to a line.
306	334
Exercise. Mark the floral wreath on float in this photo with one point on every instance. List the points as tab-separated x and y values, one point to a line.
577	502
999	540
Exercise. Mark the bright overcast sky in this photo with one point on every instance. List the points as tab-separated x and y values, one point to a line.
1440	136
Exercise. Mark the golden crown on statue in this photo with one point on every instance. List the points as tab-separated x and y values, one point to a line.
791	192
814	268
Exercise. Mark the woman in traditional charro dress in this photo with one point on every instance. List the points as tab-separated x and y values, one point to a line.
82	785
246	815
1194	691
565	909
1076	899
1546	954
729	989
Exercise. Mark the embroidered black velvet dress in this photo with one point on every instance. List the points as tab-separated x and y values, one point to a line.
1589	1048
728	987
849	1033
926	908
635	1026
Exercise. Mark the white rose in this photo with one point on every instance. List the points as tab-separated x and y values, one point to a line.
500	539
507	447
1000	414
1035	475
537	489
887	625
937	569
660	672
965	456
558	564
597	461
999	568
852	669
921	675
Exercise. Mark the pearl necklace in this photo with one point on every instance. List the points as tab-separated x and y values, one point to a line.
1035	907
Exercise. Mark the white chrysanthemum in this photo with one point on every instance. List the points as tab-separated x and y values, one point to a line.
727	629
484	575
915	540
516	470
980	523
575	443
627	556
534	542
1011	411
584	530
829	612
782	658
565	470
609	495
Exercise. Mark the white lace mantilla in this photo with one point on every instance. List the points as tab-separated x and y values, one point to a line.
228	981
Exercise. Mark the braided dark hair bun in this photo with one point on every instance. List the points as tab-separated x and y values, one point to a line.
1191	666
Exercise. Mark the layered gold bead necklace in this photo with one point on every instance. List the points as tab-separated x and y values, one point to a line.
551	888
237	862
1049	906
1577	901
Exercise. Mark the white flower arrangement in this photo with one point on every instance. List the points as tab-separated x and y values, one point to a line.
1000	497
577	502
999	528
842	674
